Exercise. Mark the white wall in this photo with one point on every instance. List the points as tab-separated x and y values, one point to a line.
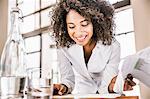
3	23
5	6
141	14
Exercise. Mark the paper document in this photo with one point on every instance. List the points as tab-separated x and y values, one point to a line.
138	65
126	67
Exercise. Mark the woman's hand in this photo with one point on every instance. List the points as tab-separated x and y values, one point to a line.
128	85
59	89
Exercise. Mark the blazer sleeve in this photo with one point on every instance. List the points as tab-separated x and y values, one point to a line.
66	71
111	69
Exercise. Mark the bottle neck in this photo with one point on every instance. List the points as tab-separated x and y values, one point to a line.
15	29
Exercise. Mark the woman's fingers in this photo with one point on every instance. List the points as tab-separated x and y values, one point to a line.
129	83
56	88
62	90
111	85
59	89
111	88
130	80
114	79
127	87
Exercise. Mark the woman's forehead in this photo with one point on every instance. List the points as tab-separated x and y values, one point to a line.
73	14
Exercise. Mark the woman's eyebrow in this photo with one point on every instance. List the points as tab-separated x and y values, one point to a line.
80	22
70	23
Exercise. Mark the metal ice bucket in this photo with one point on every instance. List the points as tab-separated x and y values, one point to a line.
12	85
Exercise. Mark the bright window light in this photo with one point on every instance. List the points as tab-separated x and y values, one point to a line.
114	1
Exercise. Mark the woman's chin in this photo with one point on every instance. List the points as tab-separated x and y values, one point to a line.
81	43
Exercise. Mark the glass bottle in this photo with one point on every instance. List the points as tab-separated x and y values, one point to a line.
54	58
13	56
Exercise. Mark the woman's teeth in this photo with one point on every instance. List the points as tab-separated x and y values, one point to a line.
81	38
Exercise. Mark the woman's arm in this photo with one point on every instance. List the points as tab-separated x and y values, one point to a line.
111	68
66	72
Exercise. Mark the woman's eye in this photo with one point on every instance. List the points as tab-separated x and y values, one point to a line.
71	27
85	24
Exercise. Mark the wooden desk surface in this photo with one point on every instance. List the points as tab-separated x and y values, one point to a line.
95	96
128	97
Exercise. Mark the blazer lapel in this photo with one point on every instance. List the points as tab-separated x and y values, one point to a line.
99	58
76	56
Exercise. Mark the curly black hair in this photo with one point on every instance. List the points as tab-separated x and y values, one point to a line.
100	12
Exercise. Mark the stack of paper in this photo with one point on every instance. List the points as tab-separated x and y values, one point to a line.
126	66
138	65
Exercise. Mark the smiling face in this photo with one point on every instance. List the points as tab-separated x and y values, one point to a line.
79	28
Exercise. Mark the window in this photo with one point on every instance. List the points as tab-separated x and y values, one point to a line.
37	20
35	25
125	32
33	51
114	1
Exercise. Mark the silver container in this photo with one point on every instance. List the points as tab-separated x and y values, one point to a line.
12	85
38	97
40	86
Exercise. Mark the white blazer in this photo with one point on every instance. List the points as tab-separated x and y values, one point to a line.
96	76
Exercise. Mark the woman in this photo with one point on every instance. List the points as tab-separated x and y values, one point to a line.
88	52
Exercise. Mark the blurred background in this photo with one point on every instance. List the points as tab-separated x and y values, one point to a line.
132	31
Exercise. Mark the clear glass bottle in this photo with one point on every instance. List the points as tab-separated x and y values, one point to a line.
54	59
13	56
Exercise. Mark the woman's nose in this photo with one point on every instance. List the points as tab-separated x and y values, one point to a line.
78	31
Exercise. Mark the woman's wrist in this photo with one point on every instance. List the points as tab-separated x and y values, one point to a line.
110	91
66	88
110	88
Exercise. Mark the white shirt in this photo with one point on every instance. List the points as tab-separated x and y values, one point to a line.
96	76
